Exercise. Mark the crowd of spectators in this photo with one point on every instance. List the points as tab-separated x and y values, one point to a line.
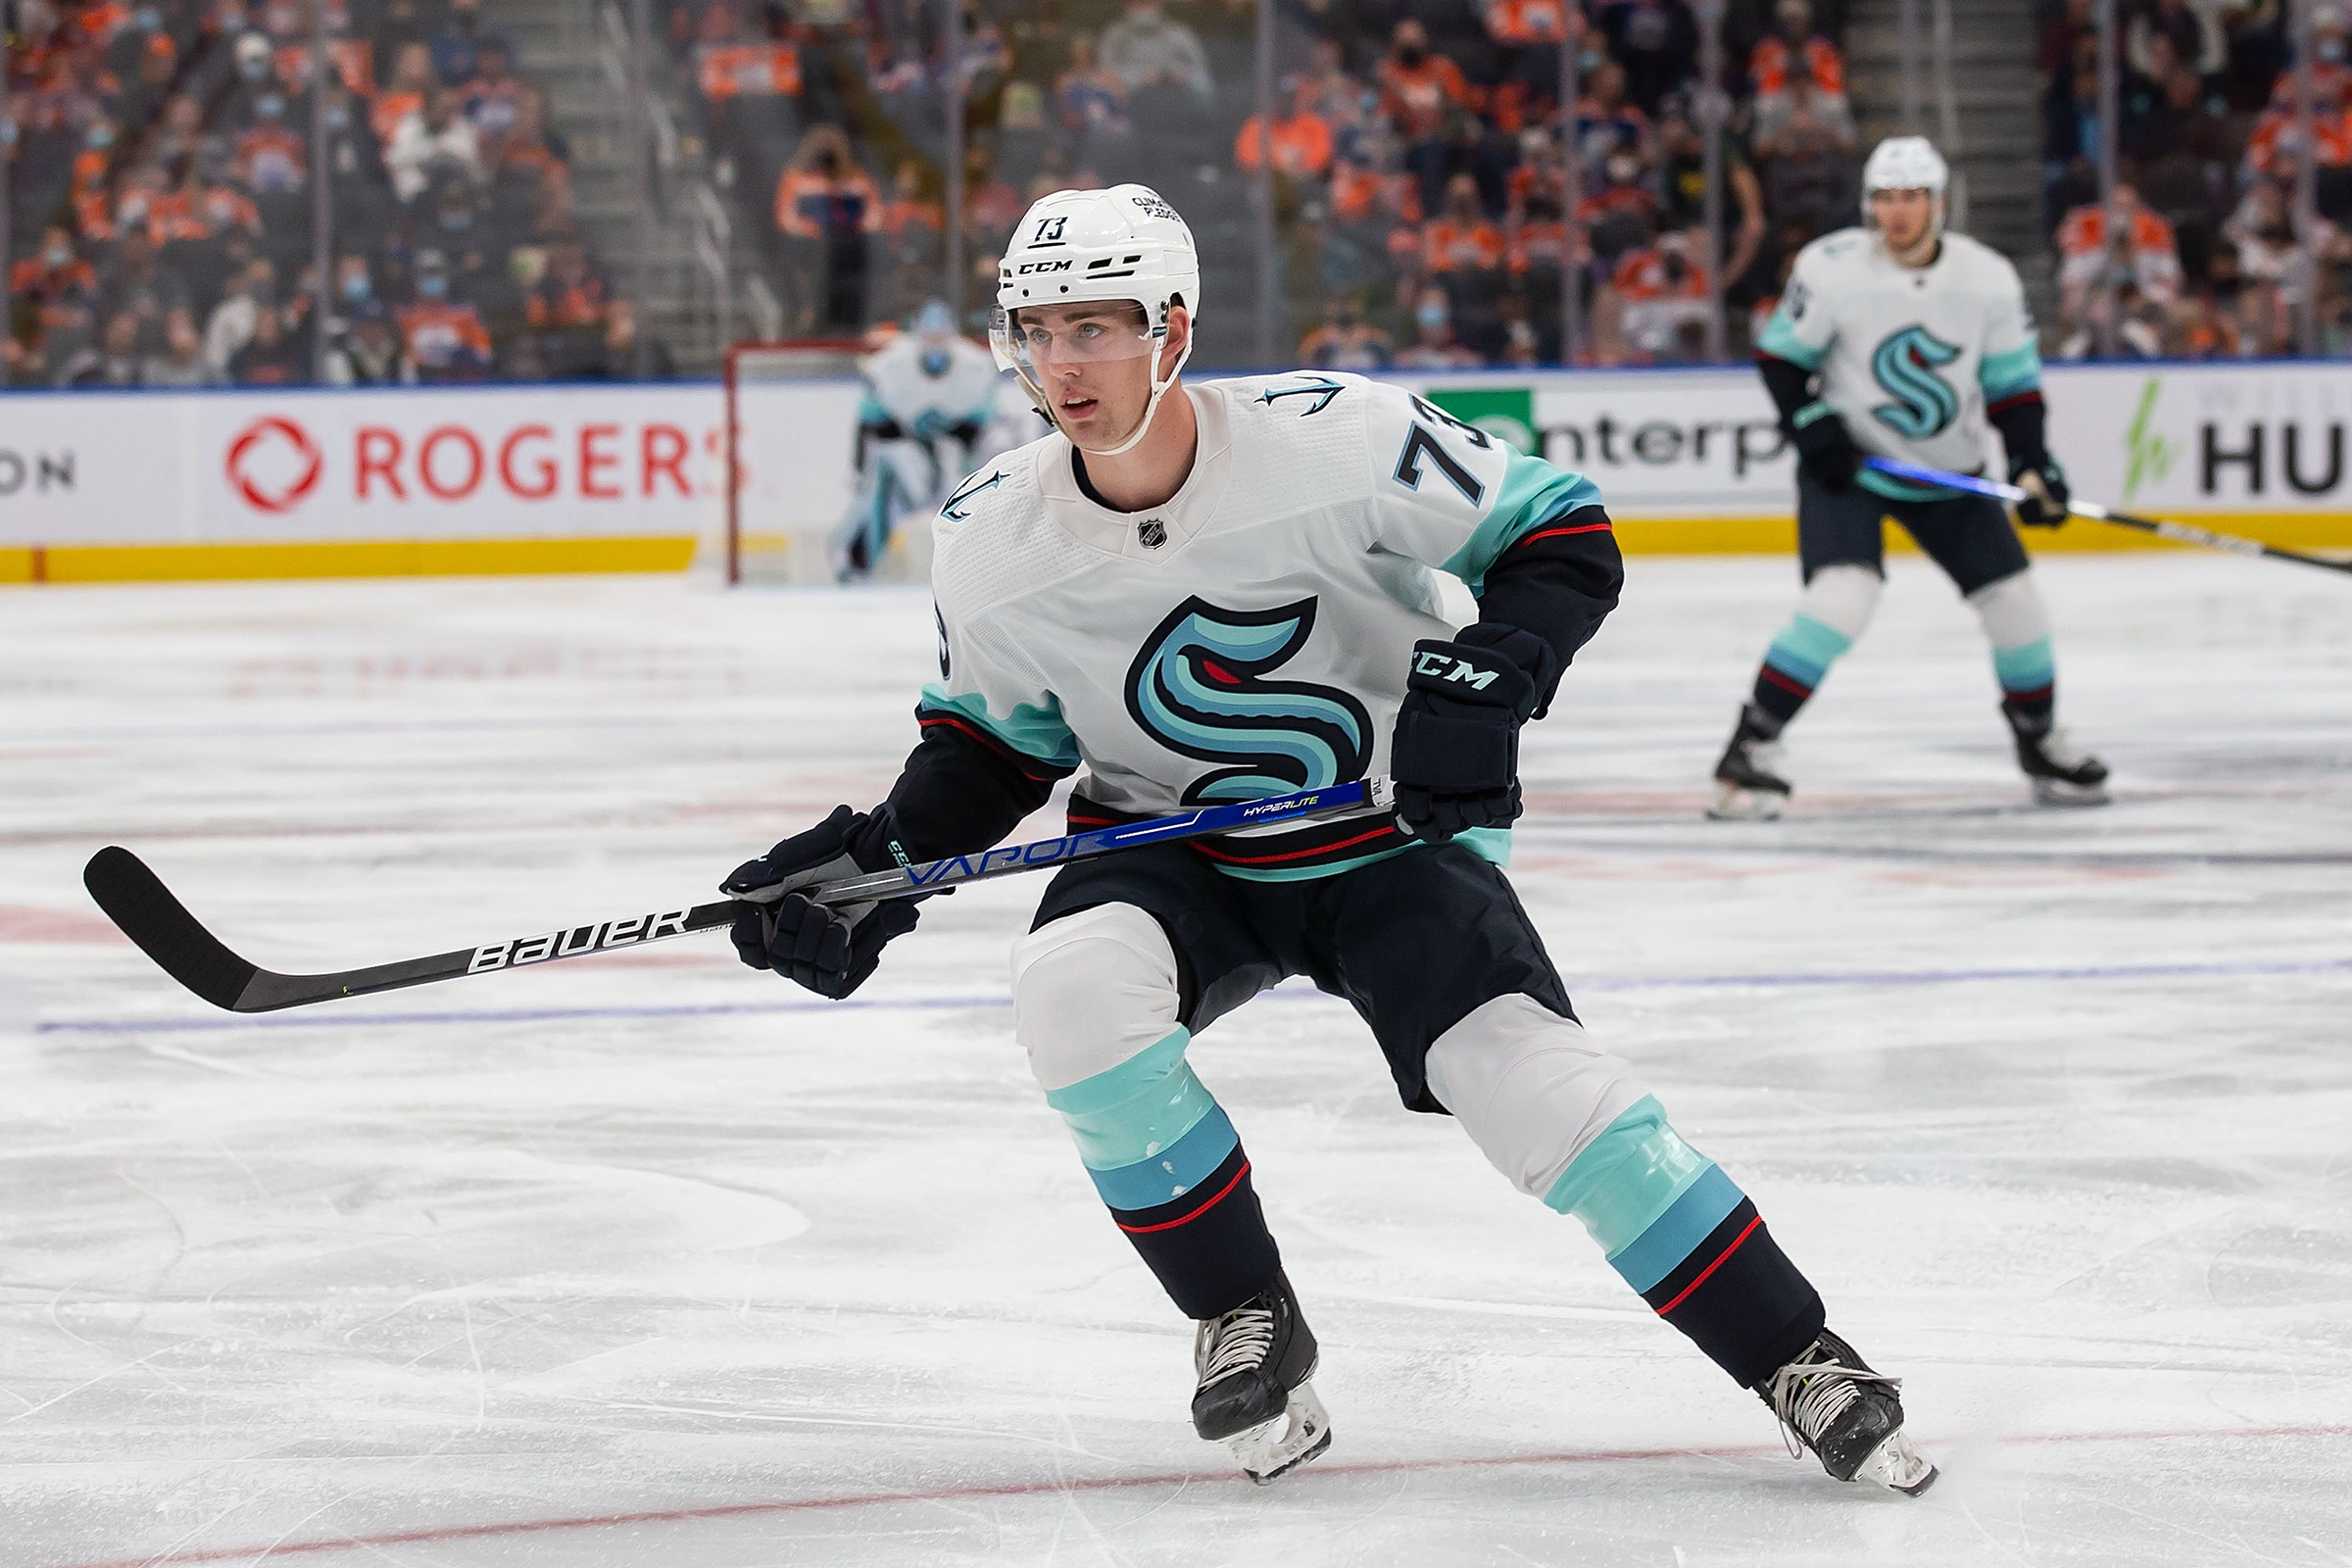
2202	256
161	159
1420	154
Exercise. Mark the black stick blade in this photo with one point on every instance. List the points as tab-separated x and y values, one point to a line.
136	899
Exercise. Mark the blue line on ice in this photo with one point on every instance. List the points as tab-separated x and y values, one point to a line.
1575	984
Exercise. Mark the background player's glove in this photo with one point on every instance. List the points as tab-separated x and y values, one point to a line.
2046	495
830	950
1826	450
1455	756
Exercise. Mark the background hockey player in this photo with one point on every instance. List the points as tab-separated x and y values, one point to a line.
1222	592
1900	339
930	395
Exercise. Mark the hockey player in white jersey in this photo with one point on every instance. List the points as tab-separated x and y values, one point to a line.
1901	339
1220	592
930	395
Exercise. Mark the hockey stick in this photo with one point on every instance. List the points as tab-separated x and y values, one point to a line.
2181	533
135	898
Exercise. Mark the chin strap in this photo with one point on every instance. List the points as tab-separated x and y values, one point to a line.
1160	389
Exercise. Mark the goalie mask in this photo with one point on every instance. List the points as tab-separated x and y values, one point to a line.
1118	247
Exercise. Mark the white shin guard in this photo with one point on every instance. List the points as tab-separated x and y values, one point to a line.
1528	1086
1092	990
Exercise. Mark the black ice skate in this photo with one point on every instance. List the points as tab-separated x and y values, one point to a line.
1747	789
1253	1395
2061	773
1849	1416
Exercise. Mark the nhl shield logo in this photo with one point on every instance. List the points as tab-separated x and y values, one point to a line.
1151	533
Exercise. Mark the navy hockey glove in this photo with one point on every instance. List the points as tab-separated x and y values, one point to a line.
2046	495
830	950
1824	448
1455	756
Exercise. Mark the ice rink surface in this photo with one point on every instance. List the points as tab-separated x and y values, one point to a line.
651	1261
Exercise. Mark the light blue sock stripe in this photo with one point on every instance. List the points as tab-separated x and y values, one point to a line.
1676	1234
1622	1181
1807	648
1129	1078
2028	668
1176	1171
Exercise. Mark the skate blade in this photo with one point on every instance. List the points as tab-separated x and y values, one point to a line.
1733	804
2059	793
1274	1449
1896	1466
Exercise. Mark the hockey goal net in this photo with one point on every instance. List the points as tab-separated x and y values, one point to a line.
791	455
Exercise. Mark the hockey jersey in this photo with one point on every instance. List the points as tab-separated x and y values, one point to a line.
899	391
1909	358
1250	637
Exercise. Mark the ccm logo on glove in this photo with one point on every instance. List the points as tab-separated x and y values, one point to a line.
1445	666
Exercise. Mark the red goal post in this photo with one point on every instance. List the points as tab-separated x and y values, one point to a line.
793	401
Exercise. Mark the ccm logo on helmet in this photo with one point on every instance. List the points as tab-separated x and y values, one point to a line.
1026	268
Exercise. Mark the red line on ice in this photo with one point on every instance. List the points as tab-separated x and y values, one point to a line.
1035	1488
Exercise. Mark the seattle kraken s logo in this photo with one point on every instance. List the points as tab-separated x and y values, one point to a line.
1199	688
1925	402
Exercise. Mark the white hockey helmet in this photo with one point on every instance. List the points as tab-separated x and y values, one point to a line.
1076	246
1906	163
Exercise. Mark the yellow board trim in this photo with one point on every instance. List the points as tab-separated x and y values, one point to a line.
1776	536
348	558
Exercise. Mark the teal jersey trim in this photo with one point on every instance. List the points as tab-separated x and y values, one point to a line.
2005	375
1620	1183
1815	410
1038	732
1533	492
1173	1172
1675	1235
1806	648
1779	340
1888	487
871	410
1137	1111
2028	668
1492	844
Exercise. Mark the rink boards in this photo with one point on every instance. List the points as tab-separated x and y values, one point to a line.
120	486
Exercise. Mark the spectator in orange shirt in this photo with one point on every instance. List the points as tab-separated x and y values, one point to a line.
403	95
1792	40
1302	145
2141	248
1662	299
39	286
728	66
444	335
827	207
1420	92
271	159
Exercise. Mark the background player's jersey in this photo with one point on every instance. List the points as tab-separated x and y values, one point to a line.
1247	638
1908	357
897	388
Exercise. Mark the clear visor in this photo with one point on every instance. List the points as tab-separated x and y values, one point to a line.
1044	337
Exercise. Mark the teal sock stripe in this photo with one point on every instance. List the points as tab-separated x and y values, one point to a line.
1148	1130
2026	669
1646	1197
1806	648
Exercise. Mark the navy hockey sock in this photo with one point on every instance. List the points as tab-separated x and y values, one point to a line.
1167	1162
1682	1235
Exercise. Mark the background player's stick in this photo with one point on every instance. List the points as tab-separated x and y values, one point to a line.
136	899
2179	532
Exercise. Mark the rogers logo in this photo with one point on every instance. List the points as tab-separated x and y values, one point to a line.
275	464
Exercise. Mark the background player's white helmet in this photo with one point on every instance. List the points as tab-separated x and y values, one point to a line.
1906	163
1075	246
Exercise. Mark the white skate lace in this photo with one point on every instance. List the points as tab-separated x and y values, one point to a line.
1807	1396
1234	1343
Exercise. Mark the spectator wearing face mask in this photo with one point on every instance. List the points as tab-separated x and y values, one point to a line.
457	44
1434	346
367	351
1419	93
443	335
271	159
1663	296
1345	341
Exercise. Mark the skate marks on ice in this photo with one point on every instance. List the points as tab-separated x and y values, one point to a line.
2062	1140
